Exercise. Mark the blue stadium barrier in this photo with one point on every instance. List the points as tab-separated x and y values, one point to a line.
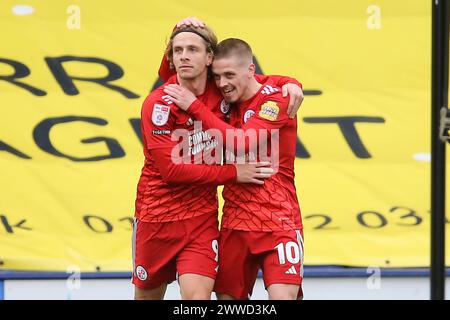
309	272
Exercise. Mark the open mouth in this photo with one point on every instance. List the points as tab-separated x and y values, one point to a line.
227	90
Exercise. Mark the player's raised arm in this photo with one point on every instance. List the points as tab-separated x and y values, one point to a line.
290	87
156	126
270	115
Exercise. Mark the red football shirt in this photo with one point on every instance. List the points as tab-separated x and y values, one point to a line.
274	205
168	190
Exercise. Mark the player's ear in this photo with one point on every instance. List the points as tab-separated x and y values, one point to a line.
251	70
209	58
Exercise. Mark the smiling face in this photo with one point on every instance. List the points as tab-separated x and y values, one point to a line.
233	76
190	56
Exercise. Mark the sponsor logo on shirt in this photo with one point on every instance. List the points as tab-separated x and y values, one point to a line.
230	157
161	132
160	114
269	111
200	141
248	114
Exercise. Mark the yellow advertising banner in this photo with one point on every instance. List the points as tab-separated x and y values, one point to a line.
74	74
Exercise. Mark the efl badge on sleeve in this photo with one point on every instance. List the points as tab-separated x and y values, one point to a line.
269	111
160	114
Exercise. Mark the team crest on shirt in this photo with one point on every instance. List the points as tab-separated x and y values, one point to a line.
248	114
160	114
190	122
141	273
269	111
224	107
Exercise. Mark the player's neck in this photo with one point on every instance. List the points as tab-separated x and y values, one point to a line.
252	89
197	85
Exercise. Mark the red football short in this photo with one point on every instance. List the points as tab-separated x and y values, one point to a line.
242	253
161	250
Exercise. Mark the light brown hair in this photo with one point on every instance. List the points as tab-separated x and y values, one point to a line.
206	33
